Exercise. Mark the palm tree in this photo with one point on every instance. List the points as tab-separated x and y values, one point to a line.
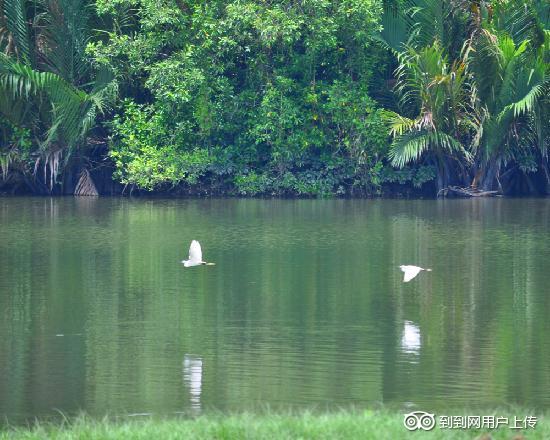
485	109
437	92
434	104
511	82
46	78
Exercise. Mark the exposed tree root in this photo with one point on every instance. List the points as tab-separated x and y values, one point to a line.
85	185
467	192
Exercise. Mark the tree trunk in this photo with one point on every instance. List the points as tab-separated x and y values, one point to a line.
546	174
440	183
443	174
489	179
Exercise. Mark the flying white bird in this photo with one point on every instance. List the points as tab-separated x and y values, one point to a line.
411	272
195	256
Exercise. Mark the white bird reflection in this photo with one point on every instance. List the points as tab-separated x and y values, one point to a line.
192	377
411	339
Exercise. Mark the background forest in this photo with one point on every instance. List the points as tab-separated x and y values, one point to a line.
282	97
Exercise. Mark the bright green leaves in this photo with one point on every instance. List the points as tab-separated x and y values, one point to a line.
139	33
147	156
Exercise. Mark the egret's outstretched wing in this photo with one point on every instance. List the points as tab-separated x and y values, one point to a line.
195	252
410	272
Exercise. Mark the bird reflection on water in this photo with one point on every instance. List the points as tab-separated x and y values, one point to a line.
411	339
192	378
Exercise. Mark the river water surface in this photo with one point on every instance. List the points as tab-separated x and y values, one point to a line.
305	307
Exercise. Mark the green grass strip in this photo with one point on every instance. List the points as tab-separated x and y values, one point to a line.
368	424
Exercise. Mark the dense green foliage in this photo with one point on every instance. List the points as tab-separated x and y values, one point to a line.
309	97
270	98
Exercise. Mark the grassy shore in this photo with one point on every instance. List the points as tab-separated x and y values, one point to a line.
379	424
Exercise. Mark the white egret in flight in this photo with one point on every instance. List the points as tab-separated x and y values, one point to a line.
411	272
195	256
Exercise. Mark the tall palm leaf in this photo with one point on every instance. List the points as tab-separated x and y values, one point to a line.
65	26
16	36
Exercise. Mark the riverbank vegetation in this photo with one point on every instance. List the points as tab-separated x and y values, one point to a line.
246	97
380	424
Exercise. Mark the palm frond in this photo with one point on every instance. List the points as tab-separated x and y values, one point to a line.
484	60
429	21
20	79
16	21
527	104
396	25
521	20
399	124
73	111
512	61
65	29
411	146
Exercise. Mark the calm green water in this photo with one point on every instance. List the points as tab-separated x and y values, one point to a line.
305	307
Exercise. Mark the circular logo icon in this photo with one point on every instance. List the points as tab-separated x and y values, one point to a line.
419	420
